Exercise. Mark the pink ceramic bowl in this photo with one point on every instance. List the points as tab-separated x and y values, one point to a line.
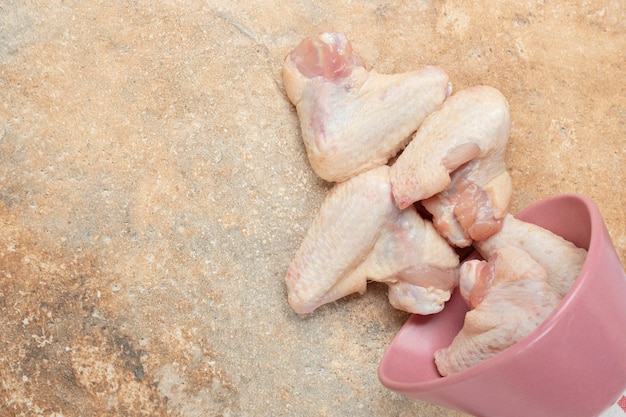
573	364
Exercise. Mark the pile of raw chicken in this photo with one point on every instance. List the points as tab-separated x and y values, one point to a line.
451	163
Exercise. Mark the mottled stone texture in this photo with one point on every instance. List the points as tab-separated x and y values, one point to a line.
154	188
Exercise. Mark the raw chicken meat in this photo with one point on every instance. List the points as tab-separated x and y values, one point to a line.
509	296
560	258
360	235
353	119
455	163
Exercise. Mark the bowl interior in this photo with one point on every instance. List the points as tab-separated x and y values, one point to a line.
410	358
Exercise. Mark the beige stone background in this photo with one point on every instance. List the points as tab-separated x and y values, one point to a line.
154	188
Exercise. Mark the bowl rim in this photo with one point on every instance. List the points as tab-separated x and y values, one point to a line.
596	238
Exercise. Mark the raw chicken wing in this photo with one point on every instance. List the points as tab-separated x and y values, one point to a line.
353	119
360	235
509	296
455	163
560	258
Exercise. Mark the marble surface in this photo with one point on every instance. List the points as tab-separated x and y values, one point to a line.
154	188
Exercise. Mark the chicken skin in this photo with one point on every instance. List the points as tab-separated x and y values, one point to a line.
360	235
455	164
560	258
353	119
509	296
